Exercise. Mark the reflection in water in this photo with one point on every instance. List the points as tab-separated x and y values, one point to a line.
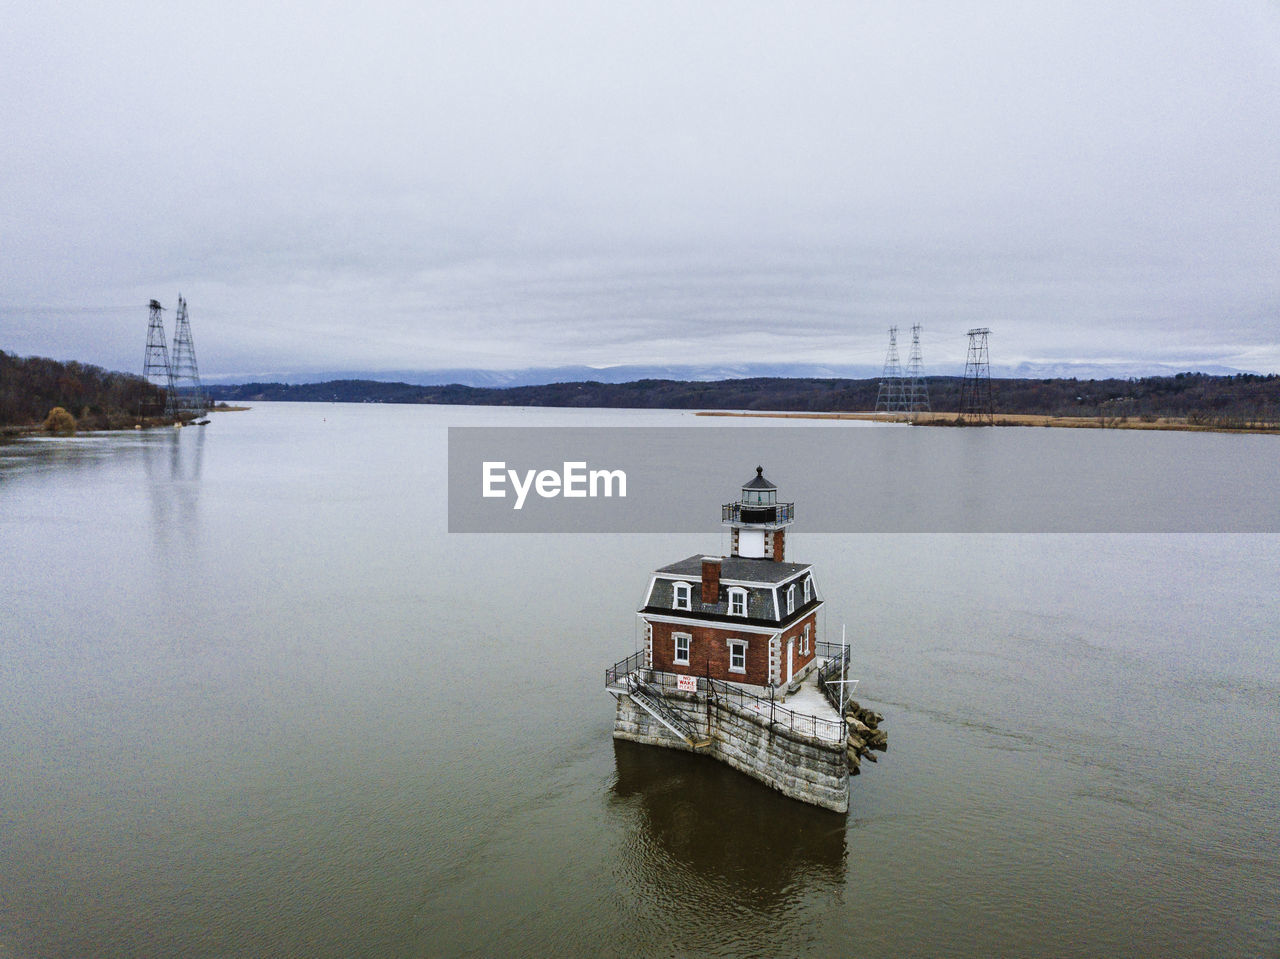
173	461
58	456
708	840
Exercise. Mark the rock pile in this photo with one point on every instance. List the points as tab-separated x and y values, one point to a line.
865	735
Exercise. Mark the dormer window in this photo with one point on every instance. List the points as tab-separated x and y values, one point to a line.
791	599
737	602
808	589
682	593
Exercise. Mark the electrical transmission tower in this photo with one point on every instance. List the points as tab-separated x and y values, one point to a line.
975	392
188	393
891	397
155	365
917	390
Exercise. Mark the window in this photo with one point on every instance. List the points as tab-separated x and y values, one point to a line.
737	656
737	602
808	589
681	657
804	643
791	599
682	596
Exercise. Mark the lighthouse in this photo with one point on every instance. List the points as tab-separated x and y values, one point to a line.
757	521
750	617
731	666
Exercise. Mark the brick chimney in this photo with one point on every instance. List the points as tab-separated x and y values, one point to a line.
710	580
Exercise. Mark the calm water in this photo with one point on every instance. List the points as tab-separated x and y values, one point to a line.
255	701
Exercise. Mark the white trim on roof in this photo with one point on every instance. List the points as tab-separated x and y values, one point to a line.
762	583
722	621
736	626
648	596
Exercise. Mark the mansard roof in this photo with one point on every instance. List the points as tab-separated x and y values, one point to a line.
764	602
740	569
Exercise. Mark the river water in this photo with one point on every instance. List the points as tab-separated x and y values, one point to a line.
256	700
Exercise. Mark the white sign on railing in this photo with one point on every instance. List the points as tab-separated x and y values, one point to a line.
688	684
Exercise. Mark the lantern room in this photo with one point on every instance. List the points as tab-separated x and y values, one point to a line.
757	521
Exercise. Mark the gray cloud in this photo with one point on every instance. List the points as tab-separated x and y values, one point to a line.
441	185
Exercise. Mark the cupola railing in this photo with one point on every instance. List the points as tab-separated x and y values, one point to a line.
749	513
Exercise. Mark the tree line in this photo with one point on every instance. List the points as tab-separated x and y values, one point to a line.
1242	399
99	399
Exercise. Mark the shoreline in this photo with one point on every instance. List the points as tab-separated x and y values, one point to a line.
11	431
1168	423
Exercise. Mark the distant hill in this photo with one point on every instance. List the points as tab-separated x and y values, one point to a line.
31	386
99	399
546	375
1241	397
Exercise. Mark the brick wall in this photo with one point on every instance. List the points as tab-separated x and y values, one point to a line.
798	659
710	643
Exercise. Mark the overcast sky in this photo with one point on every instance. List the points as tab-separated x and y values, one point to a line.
425	185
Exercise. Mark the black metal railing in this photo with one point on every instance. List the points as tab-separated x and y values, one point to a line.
750	513
836	667
619	671
768	710
826	730
641	690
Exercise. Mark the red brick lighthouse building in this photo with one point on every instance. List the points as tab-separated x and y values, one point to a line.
750	617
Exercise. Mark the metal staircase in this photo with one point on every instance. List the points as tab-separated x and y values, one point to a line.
656	706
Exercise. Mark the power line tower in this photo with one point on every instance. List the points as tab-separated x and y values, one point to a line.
155	364
917	390
891	397
188	393
975	392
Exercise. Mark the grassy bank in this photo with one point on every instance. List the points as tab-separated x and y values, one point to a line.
1185	424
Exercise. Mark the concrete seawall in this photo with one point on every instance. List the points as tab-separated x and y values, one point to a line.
795	764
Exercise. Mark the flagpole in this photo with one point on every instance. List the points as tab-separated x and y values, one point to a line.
844	666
